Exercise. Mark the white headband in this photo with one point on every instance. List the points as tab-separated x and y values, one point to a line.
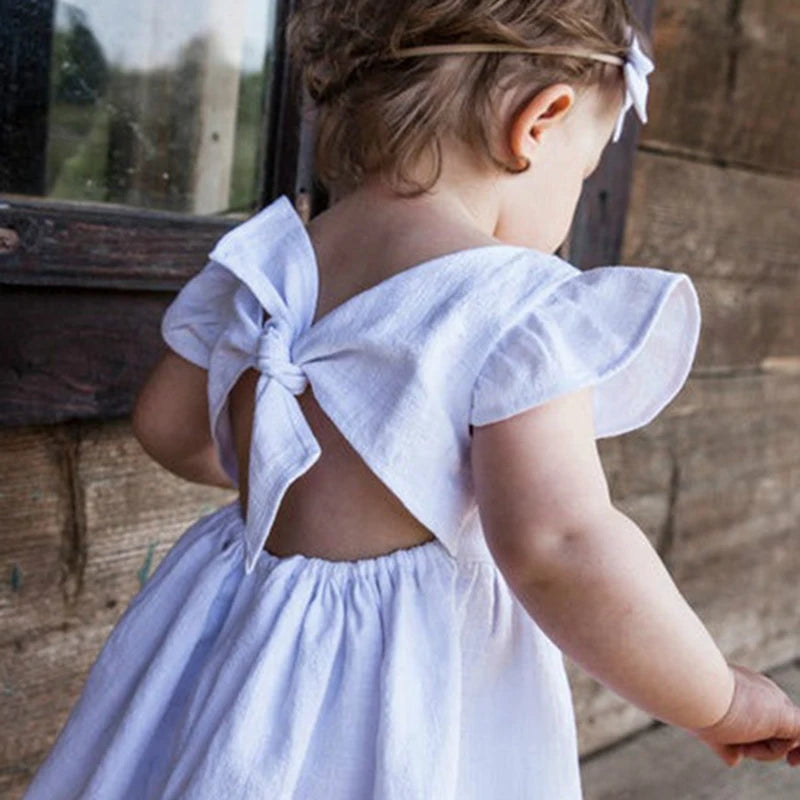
636	67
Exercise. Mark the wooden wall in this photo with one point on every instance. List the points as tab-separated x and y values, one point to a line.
85	515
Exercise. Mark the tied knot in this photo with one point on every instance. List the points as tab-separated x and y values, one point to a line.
274	359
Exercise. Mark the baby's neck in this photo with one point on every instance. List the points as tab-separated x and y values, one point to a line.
442	216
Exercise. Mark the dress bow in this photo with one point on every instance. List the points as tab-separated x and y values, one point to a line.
273	358
280	279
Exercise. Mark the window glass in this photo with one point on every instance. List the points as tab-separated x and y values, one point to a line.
158	104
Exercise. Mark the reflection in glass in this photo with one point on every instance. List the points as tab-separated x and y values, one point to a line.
159	104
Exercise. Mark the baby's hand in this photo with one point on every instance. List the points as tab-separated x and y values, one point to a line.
761	723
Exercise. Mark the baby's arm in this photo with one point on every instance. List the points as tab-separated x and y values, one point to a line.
170	420
585	572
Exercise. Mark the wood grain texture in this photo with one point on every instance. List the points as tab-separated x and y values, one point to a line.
736	234
727	82
74	353
36	506
104	247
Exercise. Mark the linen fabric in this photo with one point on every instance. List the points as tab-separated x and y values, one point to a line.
413	675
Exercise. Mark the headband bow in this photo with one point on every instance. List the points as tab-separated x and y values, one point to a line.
636	66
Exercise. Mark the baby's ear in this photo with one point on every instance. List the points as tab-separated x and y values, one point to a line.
545	110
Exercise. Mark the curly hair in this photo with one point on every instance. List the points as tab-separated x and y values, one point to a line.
376	114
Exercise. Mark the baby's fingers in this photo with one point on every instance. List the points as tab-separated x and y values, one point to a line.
729	753
793	757
768	749
788	719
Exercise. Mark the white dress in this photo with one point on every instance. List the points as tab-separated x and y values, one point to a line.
415	675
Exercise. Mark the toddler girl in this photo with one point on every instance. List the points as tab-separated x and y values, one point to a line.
407	395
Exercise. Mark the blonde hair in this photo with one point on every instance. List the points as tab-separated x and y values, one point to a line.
382	114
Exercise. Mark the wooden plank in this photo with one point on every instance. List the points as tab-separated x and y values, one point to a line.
735	233
748	596
75	354
35	522
725	86
134	511
766	77
103	246
732	437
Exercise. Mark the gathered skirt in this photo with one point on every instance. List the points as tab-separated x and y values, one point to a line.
408	676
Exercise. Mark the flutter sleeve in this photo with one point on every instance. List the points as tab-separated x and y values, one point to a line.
194	320
629	332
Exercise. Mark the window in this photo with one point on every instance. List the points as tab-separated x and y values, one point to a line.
145	104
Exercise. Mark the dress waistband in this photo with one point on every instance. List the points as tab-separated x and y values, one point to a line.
471	547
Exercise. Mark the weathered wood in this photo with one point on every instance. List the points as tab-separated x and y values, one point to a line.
666	763
748	597
726	82
735	233
75	354
104	247
766	86
134	509
735	440
36	505
115	248
739	224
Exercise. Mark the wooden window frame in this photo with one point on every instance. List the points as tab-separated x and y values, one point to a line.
83	287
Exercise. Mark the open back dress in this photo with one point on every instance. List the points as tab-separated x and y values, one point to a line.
414	675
